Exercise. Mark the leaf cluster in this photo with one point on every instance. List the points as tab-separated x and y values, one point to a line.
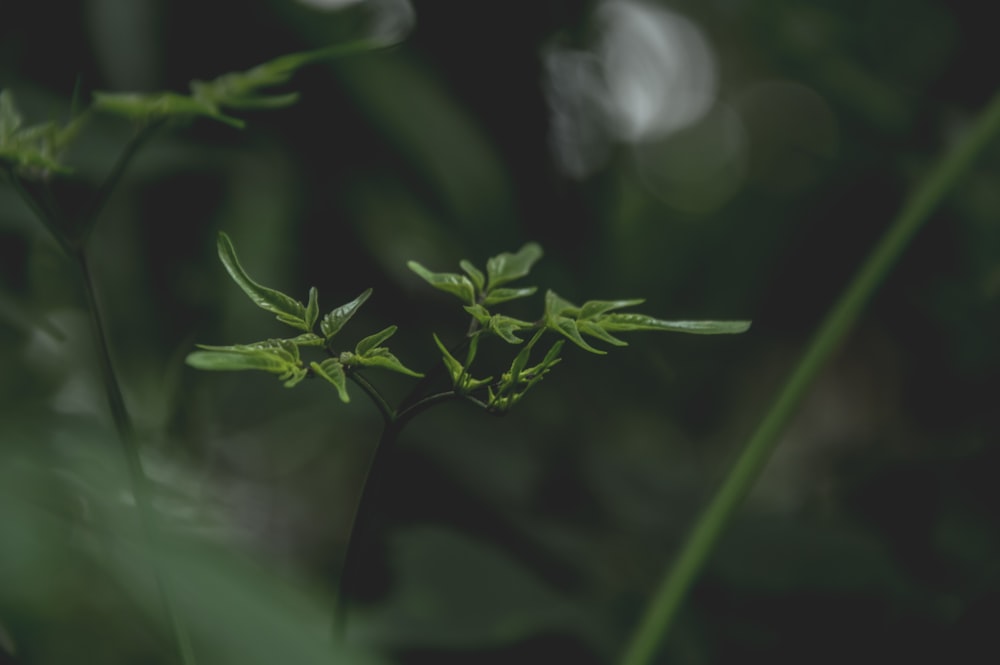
597	319
236	91
283	357
480	291
33	148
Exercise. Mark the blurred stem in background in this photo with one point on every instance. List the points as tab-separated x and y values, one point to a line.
662	610
73	242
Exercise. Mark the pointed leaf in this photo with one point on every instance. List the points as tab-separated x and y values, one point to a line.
475	274
506	326
556	306
594	308
454	367
307	339
333	371
503	295
335	320
623	322
312	309
507	267
479	313
287	309
366	345
567	327
385	360
234	361
449	282
595	330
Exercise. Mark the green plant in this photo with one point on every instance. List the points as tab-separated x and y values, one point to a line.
479	291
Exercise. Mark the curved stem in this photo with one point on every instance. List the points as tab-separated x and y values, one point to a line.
386	411
701	540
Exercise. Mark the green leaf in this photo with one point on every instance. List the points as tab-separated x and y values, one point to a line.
366	346
475	274
455	369
479	313
594	308
287	309
236	90
506	326
312	308
624	322
230	361
33	148
279	357
567	327
331	370
449	282
307	339
595	330
507	267
385	360
496	296
149	107
556	306
335	320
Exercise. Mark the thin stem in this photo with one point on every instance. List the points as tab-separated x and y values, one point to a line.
387	412
700	542
137	476
111	181
44	213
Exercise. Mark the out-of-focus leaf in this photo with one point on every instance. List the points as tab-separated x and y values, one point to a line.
149	107
33	148
496	296
287	309
335	320
475	274
449	282
331	370
312	308
624	322
507	267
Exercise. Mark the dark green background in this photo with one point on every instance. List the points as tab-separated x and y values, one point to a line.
539	536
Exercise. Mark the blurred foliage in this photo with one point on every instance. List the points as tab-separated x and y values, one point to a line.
871	535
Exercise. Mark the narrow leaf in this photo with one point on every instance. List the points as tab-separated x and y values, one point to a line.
594	308
449	282
386	360
366	345
595	330
503	295
475	274
312	309
623	322
556	306
335	320
507	267
333	371
287	309
567	327
233	361
454	367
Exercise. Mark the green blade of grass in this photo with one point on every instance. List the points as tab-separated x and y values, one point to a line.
658	618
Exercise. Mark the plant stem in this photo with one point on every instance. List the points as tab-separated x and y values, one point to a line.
137	476
700	542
